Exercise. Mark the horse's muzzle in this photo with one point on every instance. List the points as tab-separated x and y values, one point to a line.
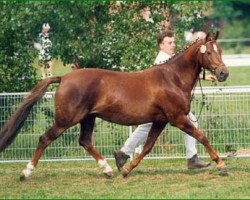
221	74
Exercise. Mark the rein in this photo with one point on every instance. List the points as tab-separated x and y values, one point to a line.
202	101
203	95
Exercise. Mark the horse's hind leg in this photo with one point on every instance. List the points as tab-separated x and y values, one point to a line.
54	132
85	140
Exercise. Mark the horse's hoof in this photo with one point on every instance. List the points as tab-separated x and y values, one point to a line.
108	174
124	172
223	171
22	177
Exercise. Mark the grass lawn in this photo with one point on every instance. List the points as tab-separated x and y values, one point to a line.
58	68
237	76
151	179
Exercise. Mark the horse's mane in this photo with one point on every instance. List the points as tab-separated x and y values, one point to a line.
179	52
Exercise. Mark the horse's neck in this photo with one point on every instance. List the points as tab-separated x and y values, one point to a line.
186	67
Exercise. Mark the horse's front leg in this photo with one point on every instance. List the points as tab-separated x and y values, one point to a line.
154	132
85	140
185	125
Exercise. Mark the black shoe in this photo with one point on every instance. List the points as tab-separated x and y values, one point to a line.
195	163
120	159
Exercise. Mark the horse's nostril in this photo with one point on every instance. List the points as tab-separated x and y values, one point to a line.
221	75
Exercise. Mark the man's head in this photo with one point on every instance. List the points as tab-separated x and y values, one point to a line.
166	42
46	28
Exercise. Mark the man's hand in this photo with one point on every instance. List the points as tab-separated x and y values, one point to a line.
209	77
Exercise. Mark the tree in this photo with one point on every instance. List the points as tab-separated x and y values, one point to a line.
95	34
15	56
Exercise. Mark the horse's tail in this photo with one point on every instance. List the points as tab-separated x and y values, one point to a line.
11	128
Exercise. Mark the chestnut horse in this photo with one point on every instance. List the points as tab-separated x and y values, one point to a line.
160	94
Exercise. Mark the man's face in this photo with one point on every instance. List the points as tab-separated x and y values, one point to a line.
45	30
168	45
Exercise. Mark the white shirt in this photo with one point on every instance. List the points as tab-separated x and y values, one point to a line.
161	57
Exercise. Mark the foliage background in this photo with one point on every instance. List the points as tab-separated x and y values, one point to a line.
90	32
95	34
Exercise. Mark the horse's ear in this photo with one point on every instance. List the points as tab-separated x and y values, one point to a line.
217	35
207	37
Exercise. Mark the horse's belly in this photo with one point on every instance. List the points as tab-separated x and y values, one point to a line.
124	120
129	112
130	118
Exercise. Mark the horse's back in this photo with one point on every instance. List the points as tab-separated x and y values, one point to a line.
105	78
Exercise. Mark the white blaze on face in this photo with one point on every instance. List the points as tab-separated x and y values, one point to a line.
203	48
215	48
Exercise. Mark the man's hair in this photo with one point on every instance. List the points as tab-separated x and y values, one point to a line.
46	25
163	34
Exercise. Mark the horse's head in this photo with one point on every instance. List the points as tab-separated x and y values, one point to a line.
209	57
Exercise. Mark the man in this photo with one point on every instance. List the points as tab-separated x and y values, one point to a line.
166	44
45	57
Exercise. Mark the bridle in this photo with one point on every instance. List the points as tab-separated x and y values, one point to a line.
202	93
202	50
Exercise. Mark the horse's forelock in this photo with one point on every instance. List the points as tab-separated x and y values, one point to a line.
211	37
